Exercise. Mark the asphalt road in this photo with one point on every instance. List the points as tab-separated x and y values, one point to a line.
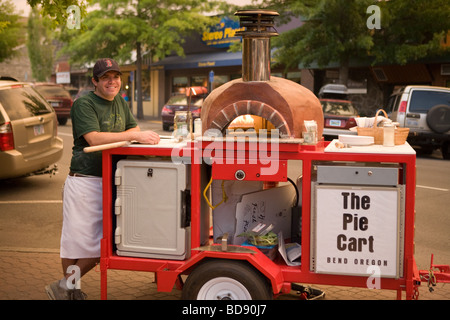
30	208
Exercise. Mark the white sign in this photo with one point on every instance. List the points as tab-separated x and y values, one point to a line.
63	77
356	228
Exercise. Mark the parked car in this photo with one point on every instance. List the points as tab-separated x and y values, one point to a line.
333	91
28	132
179	102
83	91
339	117
72	90
59	98
425	110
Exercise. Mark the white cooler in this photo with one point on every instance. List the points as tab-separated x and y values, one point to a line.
150	209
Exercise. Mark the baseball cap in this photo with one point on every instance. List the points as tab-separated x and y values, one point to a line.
104	65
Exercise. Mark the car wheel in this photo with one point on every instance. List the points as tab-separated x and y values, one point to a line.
446	150
62	121
226	280
425	150
438	118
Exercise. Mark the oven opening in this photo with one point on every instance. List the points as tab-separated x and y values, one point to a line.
249	123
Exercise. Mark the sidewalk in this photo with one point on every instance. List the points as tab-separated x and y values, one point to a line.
25	272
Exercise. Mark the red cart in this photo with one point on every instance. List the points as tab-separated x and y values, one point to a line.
222	270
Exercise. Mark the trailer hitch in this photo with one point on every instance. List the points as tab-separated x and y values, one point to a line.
438	273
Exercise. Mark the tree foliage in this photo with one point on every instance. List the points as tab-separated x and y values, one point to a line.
57	10
39	44
333	31
116	28
336	31
411	30
10	30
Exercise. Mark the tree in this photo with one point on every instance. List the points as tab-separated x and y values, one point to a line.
411	30
152	27
39	44
58	11
10	30
333	31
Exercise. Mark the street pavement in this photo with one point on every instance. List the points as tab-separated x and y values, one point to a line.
24	273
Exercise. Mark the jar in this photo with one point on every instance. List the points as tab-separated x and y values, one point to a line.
181	123
388	135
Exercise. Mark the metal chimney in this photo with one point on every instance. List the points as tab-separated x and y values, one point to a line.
259	28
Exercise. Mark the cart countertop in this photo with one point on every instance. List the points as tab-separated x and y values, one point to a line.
374	148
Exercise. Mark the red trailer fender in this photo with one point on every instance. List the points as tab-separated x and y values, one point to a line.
167	278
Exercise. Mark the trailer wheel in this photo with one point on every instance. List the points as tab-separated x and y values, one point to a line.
226	280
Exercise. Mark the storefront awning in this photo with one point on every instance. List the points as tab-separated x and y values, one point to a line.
201	60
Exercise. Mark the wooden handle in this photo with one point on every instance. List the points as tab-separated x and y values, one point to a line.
106	146
376	116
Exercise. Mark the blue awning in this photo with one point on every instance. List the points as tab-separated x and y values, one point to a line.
201	60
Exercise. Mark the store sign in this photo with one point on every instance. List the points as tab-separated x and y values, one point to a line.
63	77
356	229
223	34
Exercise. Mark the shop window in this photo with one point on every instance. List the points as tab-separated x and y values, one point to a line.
179	84
199	81
294	76
219	80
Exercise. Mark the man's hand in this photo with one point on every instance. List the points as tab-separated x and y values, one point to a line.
149	137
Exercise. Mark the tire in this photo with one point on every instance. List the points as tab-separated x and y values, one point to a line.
425	150
438	118
62	121
226	280
446	150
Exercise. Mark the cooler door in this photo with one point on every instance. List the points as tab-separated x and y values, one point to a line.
150	209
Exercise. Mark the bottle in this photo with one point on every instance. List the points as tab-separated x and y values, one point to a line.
388	135
197	127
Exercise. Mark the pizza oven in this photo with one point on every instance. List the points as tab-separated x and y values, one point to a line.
276	102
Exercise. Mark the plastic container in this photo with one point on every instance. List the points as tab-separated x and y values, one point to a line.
269	251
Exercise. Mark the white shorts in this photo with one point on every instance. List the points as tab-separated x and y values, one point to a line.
82	227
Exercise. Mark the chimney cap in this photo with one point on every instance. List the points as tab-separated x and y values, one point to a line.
257	23
256	12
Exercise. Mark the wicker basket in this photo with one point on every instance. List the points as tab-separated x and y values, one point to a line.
400	134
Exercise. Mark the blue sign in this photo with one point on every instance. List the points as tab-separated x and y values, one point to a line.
222	35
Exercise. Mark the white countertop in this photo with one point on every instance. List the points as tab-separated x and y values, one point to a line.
163	143
374	148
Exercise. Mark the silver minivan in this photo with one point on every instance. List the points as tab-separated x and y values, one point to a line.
425	110
28	131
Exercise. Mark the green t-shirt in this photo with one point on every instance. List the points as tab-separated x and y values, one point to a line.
93	113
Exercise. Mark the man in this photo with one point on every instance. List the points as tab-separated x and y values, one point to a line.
100	117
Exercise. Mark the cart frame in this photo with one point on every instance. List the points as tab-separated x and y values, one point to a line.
168	272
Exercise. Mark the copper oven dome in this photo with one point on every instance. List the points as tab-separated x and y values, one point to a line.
284	103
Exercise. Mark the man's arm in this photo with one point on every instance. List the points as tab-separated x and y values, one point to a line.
95	138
